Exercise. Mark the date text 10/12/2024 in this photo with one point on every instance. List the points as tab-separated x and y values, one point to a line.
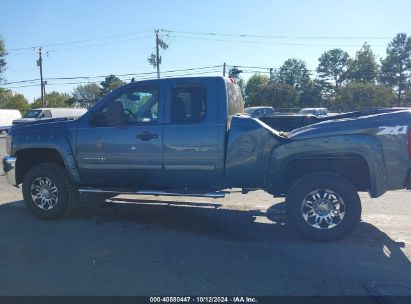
239	299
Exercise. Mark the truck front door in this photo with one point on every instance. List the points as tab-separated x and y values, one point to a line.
121	143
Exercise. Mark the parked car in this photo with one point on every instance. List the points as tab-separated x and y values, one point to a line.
185	136
289	122
259	111
6	118
319	112
45	113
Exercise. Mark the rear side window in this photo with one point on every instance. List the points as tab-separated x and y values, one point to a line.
46	114
188	102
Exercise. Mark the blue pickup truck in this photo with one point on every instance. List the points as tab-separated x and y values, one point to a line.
187	136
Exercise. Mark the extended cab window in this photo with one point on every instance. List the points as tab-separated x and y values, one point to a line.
137	105
46	114
188	102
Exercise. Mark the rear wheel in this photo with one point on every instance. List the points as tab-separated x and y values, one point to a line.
48	192
323	206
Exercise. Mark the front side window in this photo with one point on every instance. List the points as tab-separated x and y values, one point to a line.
136	105
188	102
32	114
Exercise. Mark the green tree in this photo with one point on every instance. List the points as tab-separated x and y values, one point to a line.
294	72
395	68
241	84
333	66
312	95
86	95
10	100
3	99
53	100
277	95
252	88
364	67
110	83
407	96
3	54
359	95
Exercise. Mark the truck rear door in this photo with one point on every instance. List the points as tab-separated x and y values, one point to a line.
193	140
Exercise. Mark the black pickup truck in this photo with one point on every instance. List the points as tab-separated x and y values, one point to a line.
187	136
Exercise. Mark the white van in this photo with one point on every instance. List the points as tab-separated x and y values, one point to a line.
47	113
319	112
7	117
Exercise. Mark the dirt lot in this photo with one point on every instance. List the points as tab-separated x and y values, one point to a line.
177	246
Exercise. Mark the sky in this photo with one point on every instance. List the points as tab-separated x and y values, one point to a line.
98	38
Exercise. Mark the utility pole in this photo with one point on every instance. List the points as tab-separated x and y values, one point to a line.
157	55
224	68
155	58
40	64
44	93
271	75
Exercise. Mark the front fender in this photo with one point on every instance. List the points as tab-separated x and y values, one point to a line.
58	142
366	146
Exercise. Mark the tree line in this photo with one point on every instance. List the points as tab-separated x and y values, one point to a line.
343	83
84	95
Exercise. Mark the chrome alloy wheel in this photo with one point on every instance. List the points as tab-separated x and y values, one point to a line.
323	209
44	193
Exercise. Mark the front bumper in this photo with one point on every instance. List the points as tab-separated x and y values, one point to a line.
9	169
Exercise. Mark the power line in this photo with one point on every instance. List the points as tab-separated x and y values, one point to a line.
210	69
21	81
85	46
118	75
284	36
195	35
274	43
126	79
77	41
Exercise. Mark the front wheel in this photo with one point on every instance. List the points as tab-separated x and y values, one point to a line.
48	192
323	206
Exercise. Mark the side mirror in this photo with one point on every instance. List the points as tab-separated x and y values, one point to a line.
97	119
105	119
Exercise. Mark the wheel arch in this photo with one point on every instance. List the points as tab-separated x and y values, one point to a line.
353	167
30	157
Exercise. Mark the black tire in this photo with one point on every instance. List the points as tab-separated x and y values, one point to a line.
310	198
55	177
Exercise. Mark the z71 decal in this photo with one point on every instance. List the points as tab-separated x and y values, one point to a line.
398	130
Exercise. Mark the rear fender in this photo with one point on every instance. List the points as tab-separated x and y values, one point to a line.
366	146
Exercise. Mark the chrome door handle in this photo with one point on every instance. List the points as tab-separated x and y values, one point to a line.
146	136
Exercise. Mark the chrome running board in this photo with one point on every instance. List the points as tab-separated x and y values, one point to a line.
218	194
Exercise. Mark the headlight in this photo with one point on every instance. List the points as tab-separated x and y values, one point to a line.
8	144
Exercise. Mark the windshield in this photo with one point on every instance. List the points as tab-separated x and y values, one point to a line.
32	114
